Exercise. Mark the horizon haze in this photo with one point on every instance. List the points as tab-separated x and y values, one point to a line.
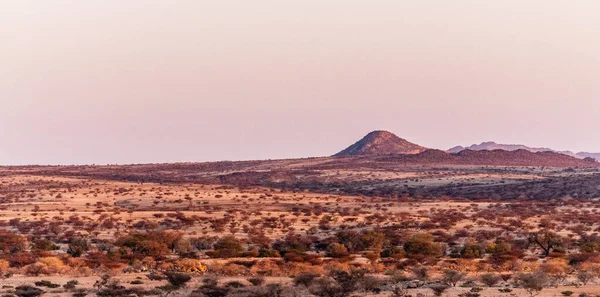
155	82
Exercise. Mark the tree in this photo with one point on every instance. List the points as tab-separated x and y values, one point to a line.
452	277
546	240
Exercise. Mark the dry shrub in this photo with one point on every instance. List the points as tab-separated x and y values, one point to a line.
83	271
54	264
592	267
4	265
268	268
190	265
229	269
466	265
483	266
556	268
47	266
165	266
337	266
527	266
75	263
293	269
375	267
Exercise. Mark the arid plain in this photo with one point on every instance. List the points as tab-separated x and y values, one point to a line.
420	224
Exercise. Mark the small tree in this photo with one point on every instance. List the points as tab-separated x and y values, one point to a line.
452	277
546	240
585	276
421	272
78	246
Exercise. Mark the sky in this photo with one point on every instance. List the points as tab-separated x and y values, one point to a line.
148	81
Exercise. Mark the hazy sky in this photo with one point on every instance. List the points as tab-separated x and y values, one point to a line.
130	81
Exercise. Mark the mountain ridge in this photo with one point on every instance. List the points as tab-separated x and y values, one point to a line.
385	146
491	145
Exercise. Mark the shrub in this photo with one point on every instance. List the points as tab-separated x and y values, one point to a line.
234	284
150	244
177	279
339	283
532	282
421	246
257	281
70	285
156	276
585	276
336	250
78	246
4	265
11	242
420	272
439	289
80	293
490	279
48	284
190	265
52	265
21	259
28	291
44	245
305	278
452	277
227	247
471	251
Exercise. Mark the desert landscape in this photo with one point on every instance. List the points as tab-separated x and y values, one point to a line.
382	218
269	148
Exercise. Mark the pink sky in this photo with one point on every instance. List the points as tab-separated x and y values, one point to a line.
158	81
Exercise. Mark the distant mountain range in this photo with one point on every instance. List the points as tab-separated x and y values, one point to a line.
385	146
490	145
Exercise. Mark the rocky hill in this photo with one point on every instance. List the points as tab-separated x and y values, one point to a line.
381	143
